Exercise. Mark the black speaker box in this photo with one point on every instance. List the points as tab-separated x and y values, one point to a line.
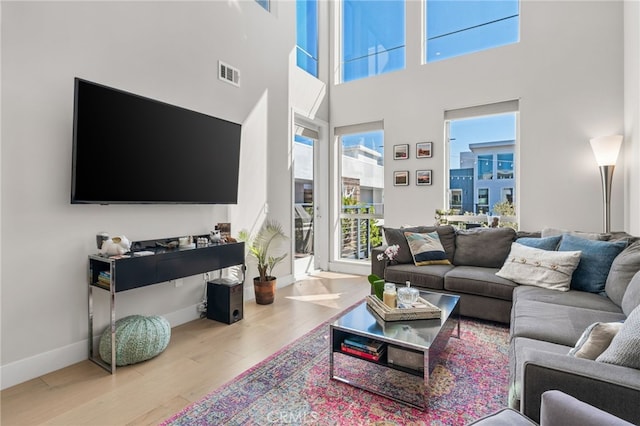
224	300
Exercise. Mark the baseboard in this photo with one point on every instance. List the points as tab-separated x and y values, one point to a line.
38	365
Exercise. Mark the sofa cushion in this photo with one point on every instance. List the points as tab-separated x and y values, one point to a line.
485	247
426	249
595	339
595	261
631	297
446	233
624	349
548	243
479	281
581	299
623	268
540	268
555	323
428	277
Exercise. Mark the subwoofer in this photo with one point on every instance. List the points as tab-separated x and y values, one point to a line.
225	300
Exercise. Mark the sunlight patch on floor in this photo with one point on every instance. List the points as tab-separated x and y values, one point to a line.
329	299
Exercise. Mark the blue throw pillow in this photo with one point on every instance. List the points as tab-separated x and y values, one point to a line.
595	261
547	243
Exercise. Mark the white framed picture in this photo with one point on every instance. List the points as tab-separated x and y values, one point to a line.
401	178
424	149
401	152
423	177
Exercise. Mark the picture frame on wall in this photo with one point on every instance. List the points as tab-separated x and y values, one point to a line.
401	152
424	149
423	177
401	178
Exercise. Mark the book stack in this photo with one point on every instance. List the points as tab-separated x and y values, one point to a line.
363	347
104	279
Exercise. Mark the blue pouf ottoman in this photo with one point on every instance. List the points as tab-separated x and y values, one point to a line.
138	338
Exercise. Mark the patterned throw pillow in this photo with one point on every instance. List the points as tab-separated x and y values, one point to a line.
426	249
595	261
541	268
625	347
595	339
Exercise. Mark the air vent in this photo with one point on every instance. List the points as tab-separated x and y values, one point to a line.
228	73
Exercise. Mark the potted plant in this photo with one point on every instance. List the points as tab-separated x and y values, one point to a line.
258	246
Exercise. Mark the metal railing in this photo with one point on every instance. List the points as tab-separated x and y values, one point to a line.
360	230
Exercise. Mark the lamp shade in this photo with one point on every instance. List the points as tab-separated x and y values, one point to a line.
606	149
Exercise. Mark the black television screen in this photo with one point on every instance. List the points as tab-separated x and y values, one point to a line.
128	149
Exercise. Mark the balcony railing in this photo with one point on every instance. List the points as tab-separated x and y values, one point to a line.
360	230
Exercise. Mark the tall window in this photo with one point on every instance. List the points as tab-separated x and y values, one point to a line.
455	28
307	36
482	143
362	192
373	38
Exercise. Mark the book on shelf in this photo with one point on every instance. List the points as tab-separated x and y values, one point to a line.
364	343
361	353
102	284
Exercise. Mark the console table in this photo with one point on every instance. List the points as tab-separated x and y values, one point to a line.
150	262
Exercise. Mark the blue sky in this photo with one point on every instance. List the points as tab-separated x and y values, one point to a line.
482	129
453	28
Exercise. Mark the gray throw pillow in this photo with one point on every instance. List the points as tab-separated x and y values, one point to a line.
485	247
623	268
624	349
396	236
631	298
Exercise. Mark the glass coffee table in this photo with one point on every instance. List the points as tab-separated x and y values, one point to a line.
393	358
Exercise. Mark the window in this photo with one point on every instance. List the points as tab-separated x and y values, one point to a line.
362	189
485	167
307	36
483	200
455	28
266	4
481	154
505	166
456	199
373	38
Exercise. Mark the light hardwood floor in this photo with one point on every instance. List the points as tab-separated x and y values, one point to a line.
201	356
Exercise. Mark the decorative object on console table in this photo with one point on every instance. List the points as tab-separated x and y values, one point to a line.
258	246
225	231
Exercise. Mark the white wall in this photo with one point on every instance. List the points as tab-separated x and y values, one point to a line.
567	72
632	114
163	50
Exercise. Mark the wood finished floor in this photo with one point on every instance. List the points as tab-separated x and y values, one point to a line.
201	356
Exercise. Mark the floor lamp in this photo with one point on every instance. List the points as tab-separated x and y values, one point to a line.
606	149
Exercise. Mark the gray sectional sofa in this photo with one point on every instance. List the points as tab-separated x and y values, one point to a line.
545	324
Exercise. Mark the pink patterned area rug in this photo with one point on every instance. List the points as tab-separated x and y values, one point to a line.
293	387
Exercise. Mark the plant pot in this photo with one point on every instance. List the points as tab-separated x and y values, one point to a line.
265	291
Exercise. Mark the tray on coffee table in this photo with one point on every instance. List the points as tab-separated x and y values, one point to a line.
428	311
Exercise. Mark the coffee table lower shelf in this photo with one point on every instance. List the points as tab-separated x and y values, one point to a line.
415	345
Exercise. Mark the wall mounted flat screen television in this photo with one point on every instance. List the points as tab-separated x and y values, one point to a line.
128	149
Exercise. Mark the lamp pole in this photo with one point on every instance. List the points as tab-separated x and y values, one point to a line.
606	175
